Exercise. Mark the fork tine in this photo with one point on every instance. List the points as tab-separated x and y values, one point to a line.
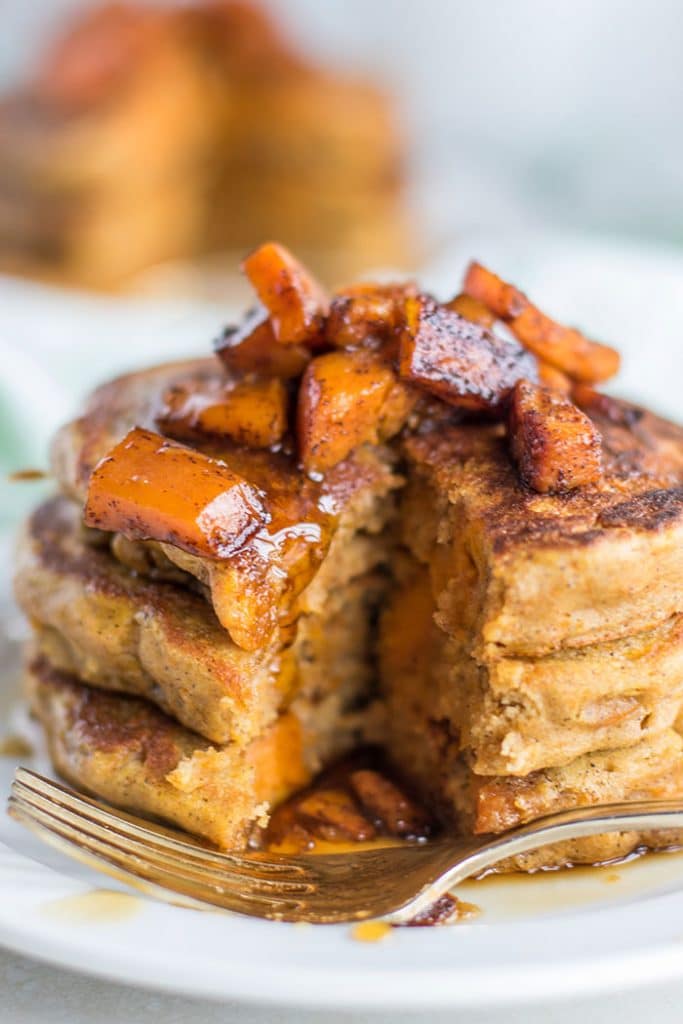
72	847
223	870
128	826
140	873
171	863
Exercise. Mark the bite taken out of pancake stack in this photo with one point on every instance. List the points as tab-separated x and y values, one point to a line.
370	518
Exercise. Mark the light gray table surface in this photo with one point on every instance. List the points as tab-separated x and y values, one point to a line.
33	993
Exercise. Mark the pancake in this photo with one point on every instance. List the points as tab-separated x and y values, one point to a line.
541	571
517	714
127	752
119	631
425	741
335	522
526	573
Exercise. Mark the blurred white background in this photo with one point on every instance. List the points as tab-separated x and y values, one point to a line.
547	140
523	111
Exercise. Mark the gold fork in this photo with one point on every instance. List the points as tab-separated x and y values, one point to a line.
394	883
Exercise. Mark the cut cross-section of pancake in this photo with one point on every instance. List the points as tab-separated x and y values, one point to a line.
532	645
132	755
159	640
427	739
516	714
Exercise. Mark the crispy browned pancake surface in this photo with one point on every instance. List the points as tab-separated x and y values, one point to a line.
132	755
530	573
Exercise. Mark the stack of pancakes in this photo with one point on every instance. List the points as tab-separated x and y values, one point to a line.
225	729
516	652
151	134
533	650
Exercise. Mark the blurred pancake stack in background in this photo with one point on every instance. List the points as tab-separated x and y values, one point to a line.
151	135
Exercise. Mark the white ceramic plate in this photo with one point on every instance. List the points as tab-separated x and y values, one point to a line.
574	932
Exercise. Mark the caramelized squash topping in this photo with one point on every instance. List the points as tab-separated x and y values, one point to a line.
460	362
376	358
346	399
366	314
296	302
553	378
556	446
252	347
388	804
150	488
566	348
472	309
251	412
353	801
333	815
